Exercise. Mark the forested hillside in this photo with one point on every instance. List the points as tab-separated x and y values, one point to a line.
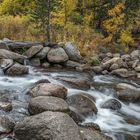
89	23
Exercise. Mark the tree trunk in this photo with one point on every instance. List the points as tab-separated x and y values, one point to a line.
49	21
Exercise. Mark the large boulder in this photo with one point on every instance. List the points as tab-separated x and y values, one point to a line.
89	134
5	54
48	89
47	126
33	51
6	125
17	69
81	106
41	104
6	63
112	104
74	82
43	53
57	55
72	51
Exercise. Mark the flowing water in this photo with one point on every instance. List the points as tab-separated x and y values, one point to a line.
112	123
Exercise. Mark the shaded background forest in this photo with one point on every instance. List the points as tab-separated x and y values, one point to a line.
114	24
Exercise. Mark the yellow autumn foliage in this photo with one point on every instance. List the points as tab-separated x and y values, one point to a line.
115	22
126	37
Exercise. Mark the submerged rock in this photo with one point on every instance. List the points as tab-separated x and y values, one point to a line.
40	104
18	70
57	55
75	82
129	95
47	126
81	106
112	104
48	89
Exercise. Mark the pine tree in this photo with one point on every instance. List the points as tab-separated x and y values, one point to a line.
41	14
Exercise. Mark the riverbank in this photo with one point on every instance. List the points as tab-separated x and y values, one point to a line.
64	99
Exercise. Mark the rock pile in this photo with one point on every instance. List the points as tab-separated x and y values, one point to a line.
125	66
14	56
54	115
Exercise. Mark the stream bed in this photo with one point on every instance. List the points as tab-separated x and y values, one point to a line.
120	125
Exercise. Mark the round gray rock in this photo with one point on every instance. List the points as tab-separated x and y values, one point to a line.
47	126
48	89
57	55
40	104
112	104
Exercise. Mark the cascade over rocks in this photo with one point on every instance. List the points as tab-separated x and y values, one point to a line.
47	126
81	106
